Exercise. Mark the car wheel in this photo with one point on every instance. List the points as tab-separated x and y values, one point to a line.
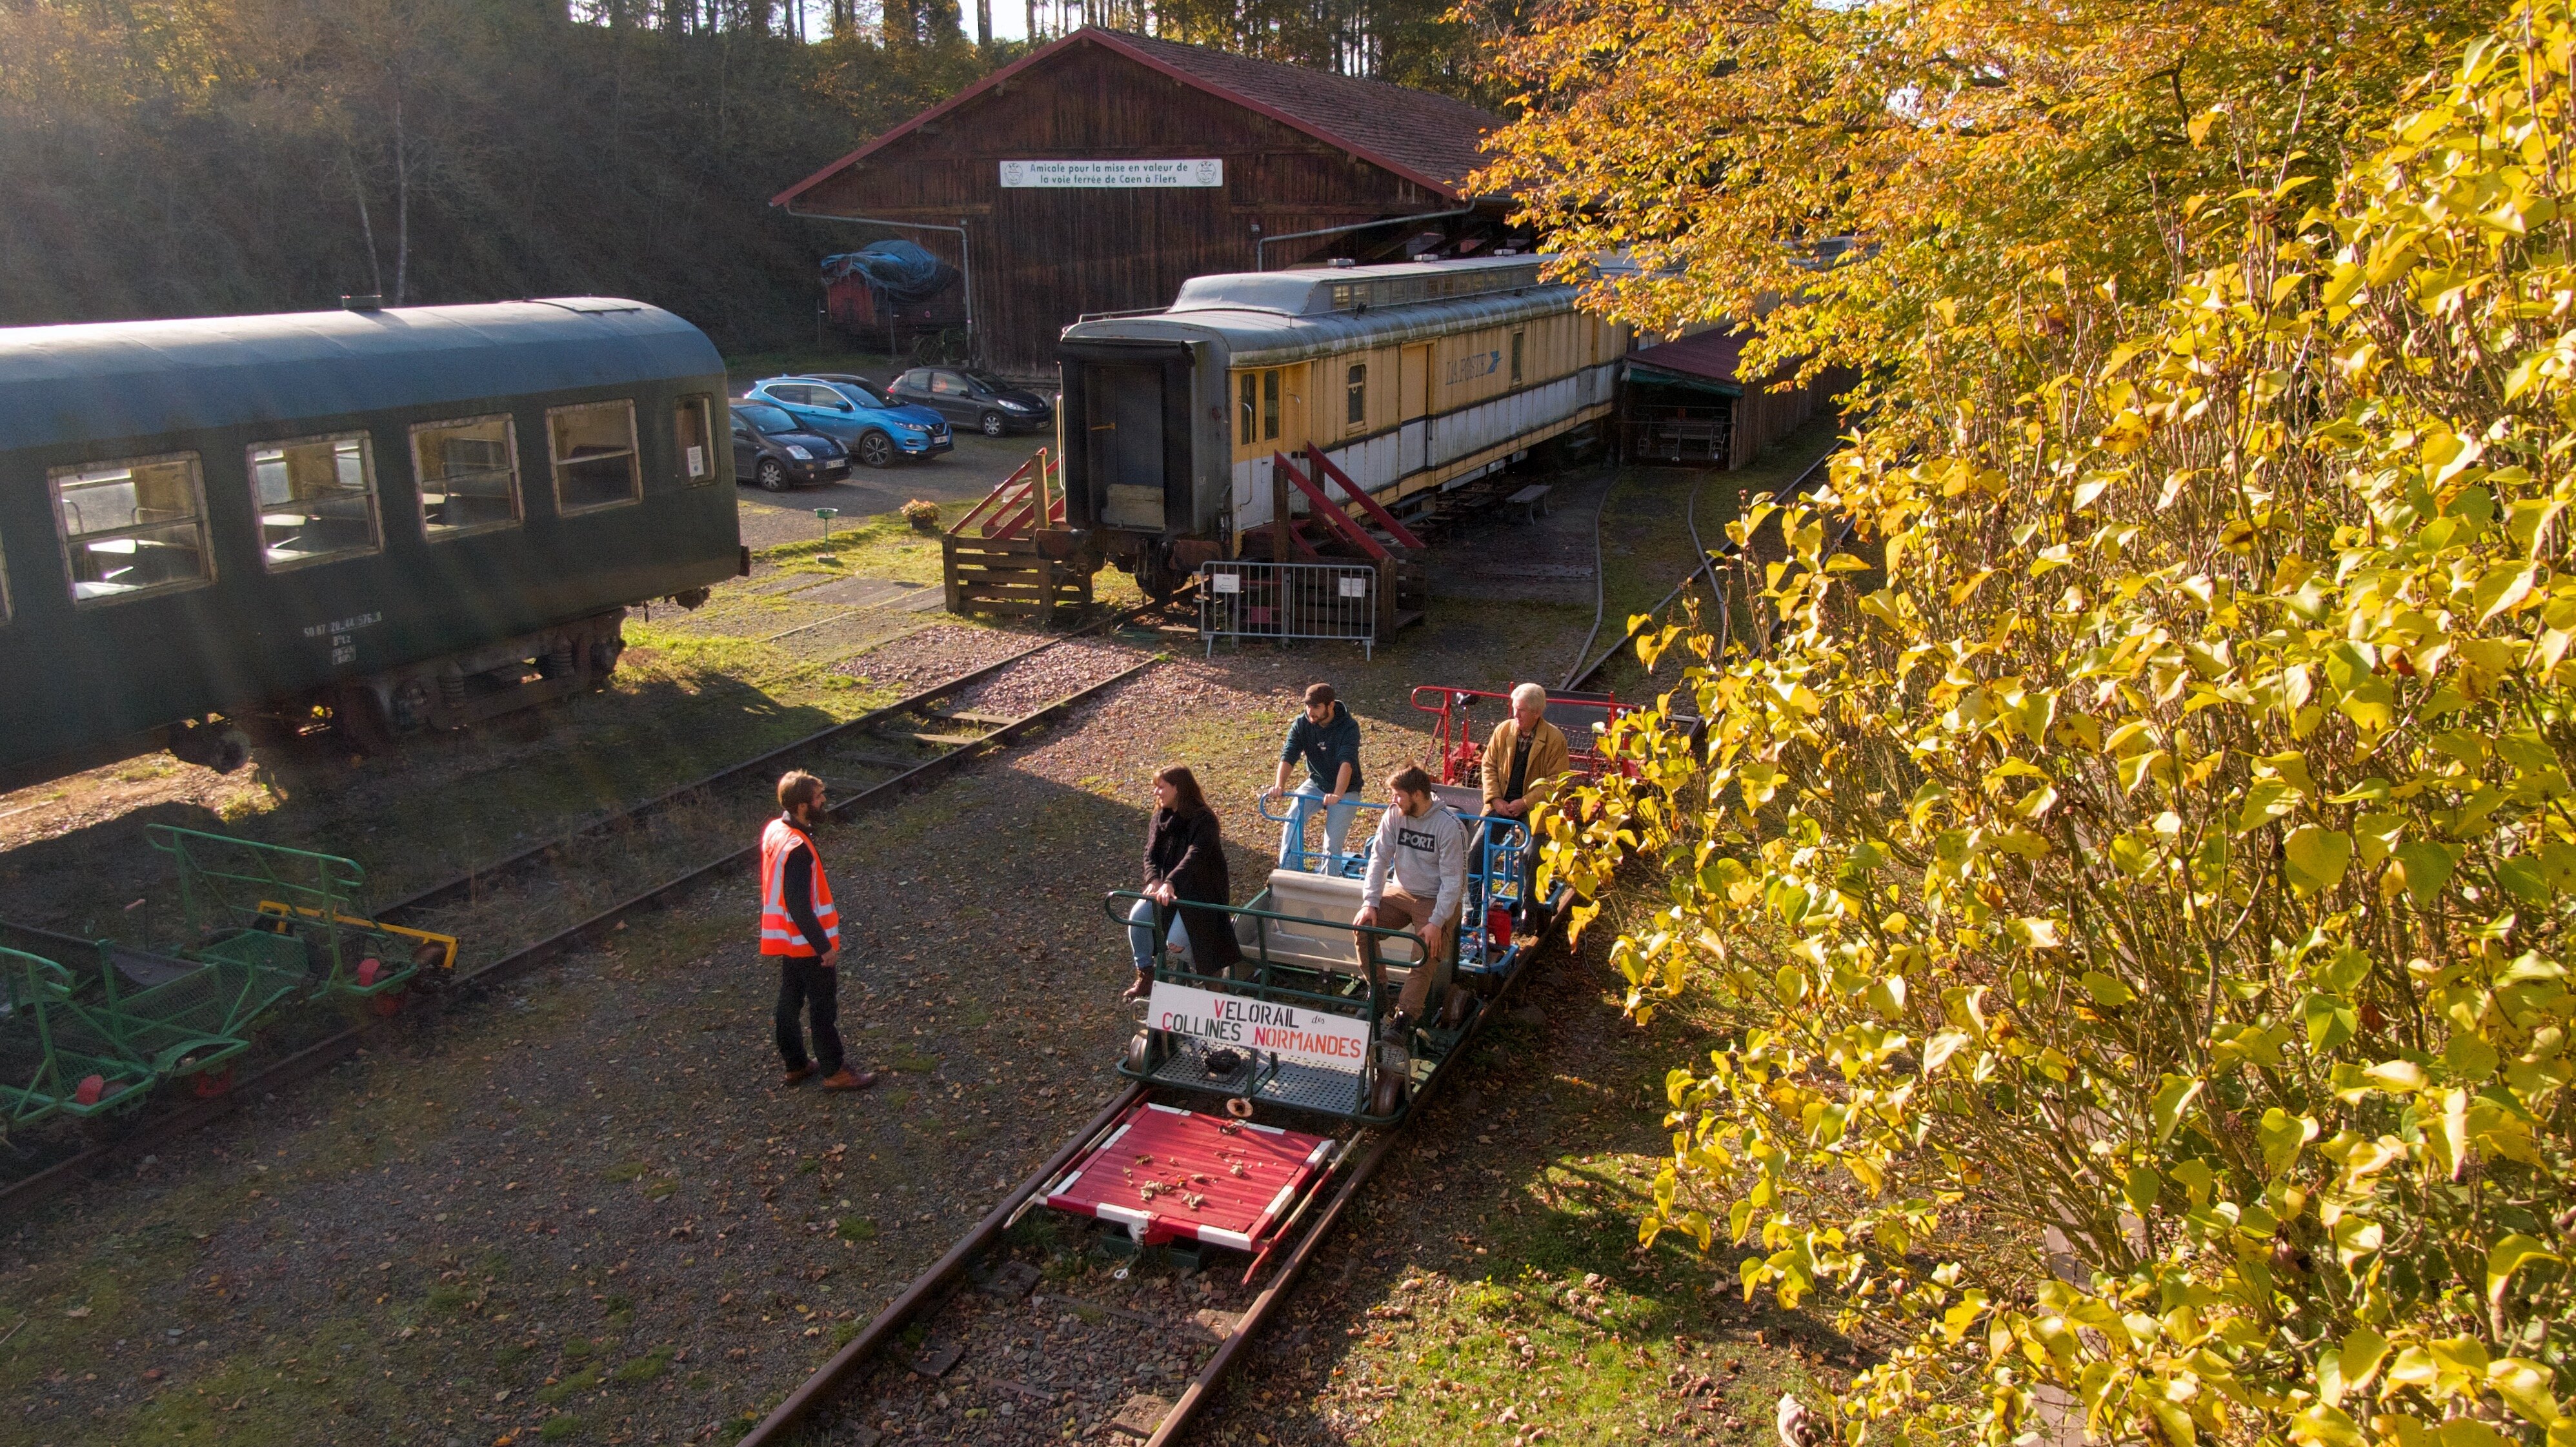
773	475
876	449
991	423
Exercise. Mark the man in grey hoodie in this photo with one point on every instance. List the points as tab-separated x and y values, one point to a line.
1425	847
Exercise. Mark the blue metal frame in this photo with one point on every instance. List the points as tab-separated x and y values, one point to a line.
1496	846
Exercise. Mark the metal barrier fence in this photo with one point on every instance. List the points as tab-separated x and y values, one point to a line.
1240	599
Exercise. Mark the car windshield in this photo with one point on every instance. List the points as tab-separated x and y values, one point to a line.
764	418
863	392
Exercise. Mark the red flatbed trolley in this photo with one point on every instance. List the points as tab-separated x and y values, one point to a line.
1170	1174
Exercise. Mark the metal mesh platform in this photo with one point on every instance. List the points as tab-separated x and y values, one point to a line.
1168	1174
1301	1087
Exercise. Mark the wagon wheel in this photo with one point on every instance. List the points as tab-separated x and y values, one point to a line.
1154	574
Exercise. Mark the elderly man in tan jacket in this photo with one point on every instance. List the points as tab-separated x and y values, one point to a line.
1524	753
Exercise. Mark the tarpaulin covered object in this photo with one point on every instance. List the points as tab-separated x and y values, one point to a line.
900	269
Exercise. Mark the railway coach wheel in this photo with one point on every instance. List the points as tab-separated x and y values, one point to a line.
605	650
772	475
1140	1052
1154	575
875	449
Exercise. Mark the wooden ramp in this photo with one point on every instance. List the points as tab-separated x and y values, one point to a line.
990	559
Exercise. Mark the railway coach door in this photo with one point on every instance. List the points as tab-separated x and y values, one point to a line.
1123	442
1413	398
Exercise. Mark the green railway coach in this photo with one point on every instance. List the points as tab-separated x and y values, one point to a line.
400	519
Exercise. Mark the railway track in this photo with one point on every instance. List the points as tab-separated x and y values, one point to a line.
1708	559
980	1316
869	761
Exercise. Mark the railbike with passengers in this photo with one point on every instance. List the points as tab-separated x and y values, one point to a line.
1304	1027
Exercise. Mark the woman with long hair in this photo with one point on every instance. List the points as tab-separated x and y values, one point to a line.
1184	864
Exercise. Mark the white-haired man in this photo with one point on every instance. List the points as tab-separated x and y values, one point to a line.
1524	753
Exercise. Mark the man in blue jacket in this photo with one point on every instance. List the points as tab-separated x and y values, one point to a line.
1328	739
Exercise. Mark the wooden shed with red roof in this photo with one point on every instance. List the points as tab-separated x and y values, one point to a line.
1101	171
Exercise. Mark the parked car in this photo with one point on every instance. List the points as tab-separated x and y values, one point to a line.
772	448
876	428
976	399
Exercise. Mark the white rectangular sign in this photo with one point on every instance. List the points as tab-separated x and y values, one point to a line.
1354	587
1226	582
1112	174
1292	1032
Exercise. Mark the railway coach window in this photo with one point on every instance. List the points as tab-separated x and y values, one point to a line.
317	499
469	475
696	433
133	527
1358	390
594	455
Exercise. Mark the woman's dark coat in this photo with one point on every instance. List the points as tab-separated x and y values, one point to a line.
1185	850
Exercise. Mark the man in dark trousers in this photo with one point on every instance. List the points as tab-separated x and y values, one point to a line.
801	926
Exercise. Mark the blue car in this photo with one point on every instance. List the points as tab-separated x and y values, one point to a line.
876	428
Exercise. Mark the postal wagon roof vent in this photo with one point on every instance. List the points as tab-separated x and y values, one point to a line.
1324	291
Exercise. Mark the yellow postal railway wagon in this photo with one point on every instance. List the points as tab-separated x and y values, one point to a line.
1399	382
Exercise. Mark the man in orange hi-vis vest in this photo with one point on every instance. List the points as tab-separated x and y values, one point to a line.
799	925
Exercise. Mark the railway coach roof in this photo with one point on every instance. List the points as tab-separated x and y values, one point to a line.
1269	318
107	381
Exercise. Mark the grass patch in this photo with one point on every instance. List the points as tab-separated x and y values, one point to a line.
621	1310
659	1188
644	1368
625	1171
912	1060
577	1348
884	546
559	1427
586	1380
855	1228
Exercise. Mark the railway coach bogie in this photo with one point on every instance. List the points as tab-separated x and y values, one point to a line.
225	531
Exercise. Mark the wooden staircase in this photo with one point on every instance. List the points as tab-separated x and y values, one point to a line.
1328	532
990	559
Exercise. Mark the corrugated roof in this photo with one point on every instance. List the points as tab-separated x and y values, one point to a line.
1432	140
116	380
1711	356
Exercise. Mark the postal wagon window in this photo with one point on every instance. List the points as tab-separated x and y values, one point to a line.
696	435
594	455
469	475
316	499
132	528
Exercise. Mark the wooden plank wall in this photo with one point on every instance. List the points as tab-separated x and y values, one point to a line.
1042	258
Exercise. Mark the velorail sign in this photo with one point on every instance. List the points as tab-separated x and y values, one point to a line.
1292	1032
1024	175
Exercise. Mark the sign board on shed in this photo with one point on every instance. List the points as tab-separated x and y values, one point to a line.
1112	174
1292	1032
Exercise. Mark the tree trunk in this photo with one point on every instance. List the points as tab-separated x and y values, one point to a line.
402	204
984	25
366	227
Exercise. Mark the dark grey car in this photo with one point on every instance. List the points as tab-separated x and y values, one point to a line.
772	449
974	399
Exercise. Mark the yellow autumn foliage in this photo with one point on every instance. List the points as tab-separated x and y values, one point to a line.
2141	872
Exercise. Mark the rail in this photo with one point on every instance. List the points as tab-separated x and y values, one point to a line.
1361	1156
172	1124
1704	563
